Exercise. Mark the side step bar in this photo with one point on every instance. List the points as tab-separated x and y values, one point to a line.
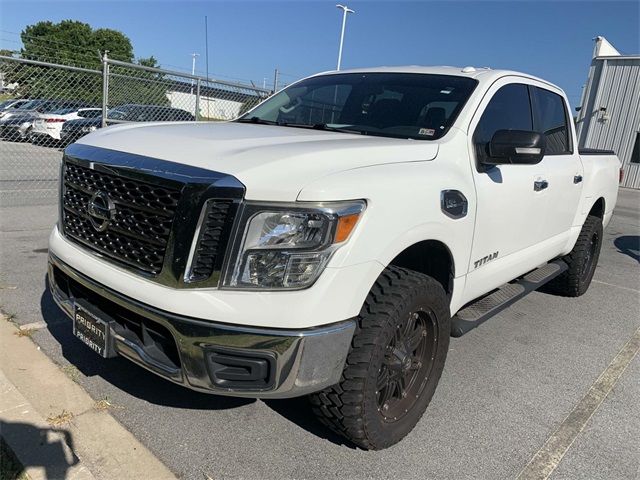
482	310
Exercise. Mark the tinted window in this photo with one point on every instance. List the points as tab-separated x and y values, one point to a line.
402	105
551	121
509	109
89	113
635	155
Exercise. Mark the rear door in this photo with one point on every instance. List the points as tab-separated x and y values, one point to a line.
562	165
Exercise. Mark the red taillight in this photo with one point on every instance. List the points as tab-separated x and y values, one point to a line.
621	175
54	120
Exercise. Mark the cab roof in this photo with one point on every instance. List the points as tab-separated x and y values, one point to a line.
482	74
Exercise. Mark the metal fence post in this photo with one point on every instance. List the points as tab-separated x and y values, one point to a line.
197	112
105	87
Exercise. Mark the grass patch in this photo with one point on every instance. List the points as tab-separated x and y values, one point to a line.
72	372
10	466
105	404
27	332
60	419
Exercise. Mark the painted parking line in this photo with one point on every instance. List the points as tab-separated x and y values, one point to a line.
617	286
547	459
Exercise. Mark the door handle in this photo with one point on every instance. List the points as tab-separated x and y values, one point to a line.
540	185
577	178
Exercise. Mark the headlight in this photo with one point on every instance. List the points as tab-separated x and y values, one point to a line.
289	247
88	129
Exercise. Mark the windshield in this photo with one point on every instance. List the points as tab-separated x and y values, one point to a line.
401	105
30	105
121	113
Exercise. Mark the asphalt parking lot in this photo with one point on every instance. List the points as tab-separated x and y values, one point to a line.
28	173
507	386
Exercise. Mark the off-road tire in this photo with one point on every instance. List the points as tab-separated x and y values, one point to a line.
582	262
351	408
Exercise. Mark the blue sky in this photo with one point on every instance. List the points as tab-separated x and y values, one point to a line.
247	40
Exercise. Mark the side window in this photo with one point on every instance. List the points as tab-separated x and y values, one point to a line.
509	109
550	117
89	113
635	154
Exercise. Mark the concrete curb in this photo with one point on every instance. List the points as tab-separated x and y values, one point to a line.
42	449
77	440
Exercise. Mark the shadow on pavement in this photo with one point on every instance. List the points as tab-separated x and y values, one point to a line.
298	411
40	447
629	245
122	373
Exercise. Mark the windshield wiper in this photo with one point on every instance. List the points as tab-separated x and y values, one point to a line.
322	126
257	120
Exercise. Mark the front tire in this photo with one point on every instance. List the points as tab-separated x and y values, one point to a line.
396	358
582	261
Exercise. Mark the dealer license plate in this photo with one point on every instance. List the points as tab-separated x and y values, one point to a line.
92	331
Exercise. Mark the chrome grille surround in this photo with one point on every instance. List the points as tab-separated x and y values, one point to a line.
142	213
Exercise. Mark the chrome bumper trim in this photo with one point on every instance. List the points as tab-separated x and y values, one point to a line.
306	360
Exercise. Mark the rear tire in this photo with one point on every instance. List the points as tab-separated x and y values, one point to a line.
395	361
582	261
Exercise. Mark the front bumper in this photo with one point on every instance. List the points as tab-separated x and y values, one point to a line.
15	131
201	355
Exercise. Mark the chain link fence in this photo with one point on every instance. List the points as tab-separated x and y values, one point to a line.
45	106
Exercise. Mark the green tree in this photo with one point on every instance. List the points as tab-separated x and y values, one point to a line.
77	44
73	42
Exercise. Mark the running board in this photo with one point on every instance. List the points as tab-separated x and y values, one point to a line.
482	310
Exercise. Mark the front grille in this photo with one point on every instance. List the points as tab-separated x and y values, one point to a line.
141	216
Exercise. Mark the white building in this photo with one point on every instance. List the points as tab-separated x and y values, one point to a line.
609	116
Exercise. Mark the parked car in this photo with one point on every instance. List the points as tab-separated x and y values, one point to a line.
12	104
26	107
17	124
74	129
332	239
48	126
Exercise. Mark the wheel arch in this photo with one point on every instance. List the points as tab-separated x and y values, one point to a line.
598	208
429	257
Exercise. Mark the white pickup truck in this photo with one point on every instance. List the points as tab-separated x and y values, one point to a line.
329	241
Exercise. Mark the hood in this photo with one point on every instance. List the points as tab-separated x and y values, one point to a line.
16	118
274	163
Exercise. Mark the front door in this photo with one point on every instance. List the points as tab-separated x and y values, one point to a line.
511	210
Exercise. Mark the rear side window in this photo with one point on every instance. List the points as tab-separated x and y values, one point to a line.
551	120
635	155
89	113
509	109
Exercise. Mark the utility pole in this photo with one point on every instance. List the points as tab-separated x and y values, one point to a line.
345	10
105	88
206	54
193	68
206	45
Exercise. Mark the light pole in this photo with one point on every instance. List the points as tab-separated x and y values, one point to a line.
193	68
345	11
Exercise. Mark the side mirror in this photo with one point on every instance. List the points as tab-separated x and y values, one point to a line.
517	147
